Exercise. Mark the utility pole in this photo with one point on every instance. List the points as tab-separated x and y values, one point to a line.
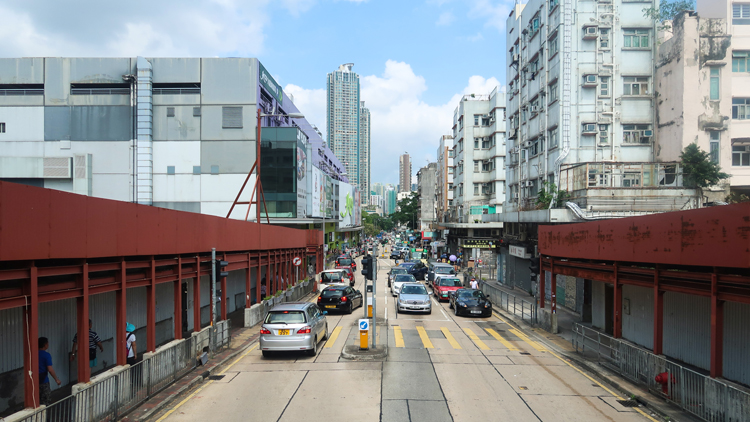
374	264
213	297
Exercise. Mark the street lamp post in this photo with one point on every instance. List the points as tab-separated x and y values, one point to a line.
258	191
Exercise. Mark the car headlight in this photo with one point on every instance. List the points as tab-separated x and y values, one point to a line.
487	305
461	304
401	301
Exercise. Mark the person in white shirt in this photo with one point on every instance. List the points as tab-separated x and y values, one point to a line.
474	284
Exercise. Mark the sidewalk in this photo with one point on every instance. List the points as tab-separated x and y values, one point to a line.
242	338
562	342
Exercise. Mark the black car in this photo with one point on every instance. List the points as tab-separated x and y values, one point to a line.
470	302
339	298
419	270
395	254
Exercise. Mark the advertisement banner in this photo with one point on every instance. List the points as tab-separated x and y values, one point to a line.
478	243
318	192
327	206
357	208
302	161
346	205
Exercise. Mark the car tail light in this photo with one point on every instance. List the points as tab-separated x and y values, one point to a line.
265	331
319	298
343	299
304	330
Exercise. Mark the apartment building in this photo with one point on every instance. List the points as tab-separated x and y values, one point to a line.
365	167
404	173
427	190
444	179
706	100
344	106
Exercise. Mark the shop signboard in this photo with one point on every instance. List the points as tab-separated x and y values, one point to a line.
478	243
328	201
269	83
519	251
317	190
357	208
302	163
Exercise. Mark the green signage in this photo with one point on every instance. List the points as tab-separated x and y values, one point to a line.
267	81
349	206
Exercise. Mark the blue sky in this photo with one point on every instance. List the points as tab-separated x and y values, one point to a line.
415	58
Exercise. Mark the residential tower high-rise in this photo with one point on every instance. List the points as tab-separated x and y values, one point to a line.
364	148
344	120
404	173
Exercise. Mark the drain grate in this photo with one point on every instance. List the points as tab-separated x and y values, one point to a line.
525	353
628	403
216	377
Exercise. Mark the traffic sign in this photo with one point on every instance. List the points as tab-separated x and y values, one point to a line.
297	261
364	324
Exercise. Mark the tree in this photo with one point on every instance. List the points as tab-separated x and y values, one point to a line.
408	209
698	170
549	194
668	11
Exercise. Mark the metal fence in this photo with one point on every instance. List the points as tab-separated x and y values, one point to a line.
114	396
708	398
522	308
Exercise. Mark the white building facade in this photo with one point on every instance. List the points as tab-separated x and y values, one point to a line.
343	119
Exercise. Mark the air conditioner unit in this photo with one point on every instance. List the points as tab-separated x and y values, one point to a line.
589	128
534	109
648	133
605	120
589	80
590	32
514	58
529	183
527	144
515	195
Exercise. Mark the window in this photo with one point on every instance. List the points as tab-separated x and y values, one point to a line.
553	46
196	169
231	117
637	134
714	136
715	85
741	13
553	95
741	108
487	142
603	134
2	127
476	166
476	143
637	38
603	37
604	86
740	61
170	169
476	188
635	85
486	166
741	155
476	119
552	136
553	4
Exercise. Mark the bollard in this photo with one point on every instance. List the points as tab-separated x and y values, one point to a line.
364	334
369	307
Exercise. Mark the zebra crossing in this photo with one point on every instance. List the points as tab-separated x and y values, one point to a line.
484	336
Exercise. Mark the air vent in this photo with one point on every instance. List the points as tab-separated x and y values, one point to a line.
57	167
170	111
231	117
196	111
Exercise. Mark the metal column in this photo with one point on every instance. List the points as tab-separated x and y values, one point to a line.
197	295
658	315
177	312
717	329
82	314
151	310
617	308
31	343
122	313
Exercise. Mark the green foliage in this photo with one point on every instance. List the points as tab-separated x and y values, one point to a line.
698	169
267	298
279	293
550	193
374	224
668	11
736	198
408	209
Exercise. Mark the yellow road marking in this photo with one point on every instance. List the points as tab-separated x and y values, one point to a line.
500	338
617	396
238	359
332	339
399	337
450	338
425	340
528	341
475	339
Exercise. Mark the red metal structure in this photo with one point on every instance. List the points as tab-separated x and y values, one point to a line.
704	252
56	245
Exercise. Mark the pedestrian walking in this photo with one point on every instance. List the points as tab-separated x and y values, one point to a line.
130	345
263	288
474	284
94	343
45	370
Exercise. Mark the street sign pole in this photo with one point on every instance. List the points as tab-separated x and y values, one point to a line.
374	263
213	297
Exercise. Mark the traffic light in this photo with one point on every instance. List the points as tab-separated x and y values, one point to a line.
220	269
366	261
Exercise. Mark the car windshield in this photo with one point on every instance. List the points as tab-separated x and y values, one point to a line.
345	261
404	278
414	290
450	282
408	265
444	270
330	276
285	317
470	294
329	293
398	271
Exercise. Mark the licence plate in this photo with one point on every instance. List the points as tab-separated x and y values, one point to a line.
330	306
283	332
415	307
476	312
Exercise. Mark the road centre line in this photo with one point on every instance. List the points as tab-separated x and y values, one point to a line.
450	338
476	339
425	339
500	338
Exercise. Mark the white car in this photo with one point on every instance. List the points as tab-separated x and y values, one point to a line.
399	280
333	277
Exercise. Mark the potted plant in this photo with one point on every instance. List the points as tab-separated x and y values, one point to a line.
277	298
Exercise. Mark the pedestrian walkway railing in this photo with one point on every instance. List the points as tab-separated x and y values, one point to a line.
522	308
708	398
116	394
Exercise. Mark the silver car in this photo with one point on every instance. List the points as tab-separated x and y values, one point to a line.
399	281
293	326
413	297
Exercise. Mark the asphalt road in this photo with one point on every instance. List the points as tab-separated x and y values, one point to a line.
439	368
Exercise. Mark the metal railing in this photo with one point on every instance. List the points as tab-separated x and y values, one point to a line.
21	92
708	398
118	394
176	91
522	308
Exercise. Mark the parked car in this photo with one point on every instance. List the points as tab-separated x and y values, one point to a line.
470	302
395	271
445	285
399	280
437	268
338	276
292	327
340	298
413	297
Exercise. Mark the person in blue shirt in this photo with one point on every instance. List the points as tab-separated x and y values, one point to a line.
45	369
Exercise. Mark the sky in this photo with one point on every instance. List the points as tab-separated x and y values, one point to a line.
415	58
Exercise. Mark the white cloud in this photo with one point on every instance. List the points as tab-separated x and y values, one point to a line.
495	15
445	19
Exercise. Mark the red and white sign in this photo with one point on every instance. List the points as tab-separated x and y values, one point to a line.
297	261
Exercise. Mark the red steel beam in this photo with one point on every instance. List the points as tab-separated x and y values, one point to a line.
617	305
224	298
248	301
717	330
178	301
31	344
121	309
151	310
82	313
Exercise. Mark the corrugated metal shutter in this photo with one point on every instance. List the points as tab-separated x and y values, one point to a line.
231	117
